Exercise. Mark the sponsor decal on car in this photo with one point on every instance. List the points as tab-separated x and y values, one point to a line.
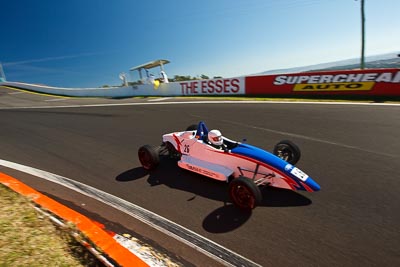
201	171
288	167
299	174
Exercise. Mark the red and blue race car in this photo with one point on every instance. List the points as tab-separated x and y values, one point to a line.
245	167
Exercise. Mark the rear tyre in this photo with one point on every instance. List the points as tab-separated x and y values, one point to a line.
192	127
148	157
288	151
244	193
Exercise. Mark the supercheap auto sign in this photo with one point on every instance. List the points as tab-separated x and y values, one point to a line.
366	82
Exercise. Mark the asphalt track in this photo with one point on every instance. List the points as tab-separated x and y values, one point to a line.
352	151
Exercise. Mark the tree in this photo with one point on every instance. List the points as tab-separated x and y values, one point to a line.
179	78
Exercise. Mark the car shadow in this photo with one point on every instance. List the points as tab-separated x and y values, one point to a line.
228	218
132	174
225	219
169	174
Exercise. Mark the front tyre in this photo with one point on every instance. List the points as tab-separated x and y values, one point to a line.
288	151
244	193
148	157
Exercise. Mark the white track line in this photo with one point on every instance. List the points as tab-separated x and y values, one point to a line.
244	125
16	93
55	99
159	99
201	102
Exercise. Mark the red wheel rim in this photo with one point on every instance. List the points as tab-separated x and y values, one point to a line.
145	159
243	197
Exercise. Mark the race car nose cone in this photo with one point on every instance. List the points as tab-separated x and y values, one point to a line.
313	185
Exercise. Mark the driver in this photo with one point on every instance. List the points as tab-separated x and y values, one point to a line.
215	139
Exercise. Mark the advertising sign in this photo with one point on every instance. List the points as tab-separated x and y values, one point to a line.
379	82
230	86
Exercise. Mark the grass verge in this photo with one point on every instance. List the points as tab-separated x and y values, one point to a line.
28	238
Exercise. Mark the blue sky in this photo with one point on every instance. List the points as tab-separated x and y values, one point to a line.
87	43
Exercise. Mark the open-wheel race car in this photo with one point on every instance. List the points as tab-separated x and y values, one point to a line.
245	167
